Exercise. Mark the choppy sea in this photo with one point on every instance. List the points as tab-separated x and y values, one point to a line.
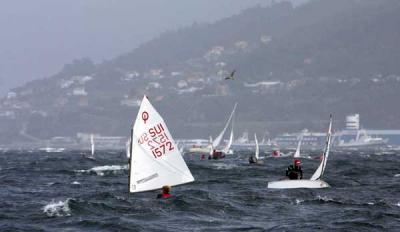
68	192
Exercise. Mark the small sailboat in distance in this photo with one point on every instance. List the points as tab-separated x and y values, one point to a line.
297	153
92	144
91	155
256	158
227	149
155	160
315	180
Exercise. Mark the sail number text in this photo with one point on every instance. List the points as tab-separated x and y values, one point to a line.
157	141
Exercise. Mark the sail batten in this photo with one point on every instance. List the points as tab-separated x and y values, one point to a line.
155	159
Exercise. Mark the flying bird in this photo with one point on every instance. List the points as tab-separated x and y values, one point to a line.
231	77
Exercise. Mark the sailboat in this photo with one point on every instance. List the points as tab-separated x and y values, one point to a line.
297	153
92	144
215	154
256	158
155	160
227	149
216	142
315	181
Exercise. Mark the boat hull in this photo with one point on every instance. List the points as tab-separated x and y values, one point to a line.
293	184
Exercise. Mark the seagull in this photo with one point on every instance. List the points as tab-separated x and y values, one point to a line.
230	77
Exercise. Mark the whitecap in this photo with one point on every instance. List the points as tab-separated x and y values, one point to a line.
299	201
398	204
324	198
371	203
397	175
99	170
224	166
75	182
57	209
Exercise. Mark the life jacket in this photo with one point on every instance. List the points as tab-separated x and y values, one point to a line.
166	195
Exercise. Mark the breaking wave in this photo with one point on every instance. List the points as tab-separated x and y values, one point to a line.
57	209
107	169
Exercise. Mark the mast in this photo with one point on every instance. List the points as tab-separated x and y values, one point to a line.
130	160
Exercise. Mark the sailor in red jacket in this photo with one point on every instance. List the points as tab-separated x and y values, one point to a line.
165	192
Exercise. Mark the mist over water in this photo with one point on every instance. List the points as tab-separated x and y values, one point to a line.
65	191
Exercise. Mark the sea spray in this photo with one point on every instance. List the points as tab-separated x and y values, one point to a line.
57	209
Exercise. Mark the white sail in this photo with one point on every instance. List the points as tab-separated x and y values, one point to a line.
228	146
321	168
92	143
218	139
211	146
155	159
257	154
297	153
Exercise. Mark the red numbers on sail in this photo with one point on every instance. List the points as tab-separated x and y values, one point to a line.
157	141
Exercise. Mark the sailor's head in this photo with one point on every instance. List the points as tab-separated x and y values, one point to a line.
166	189
297	162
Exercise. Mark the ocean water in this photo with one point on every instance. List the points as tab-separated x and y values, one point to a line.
68	192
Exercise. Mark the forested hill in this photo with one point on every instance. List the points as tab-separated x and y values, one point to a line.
294	67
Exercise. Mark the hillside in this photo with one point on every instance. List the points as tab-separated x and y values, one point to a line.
294	67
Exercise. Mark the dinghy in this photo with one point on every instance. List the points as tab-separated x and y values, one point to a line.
297	153
227	149
256	158
92	144
214	154
315	181
155	160
216	142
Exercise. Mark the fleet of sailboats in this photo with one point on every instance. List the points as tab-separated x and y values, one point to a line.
155	160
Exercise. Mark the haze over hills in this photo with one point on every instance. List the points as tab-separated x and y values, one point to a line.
39	37
294	66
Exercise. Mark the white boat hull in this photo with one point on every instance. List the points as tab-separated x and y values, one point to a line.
199	150
292	184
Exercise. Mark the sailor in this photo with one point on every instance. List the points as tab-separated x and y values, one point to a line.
294	172
165	192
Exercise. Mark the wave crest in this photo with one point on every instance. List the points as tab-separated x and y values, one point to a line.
57	209
102	170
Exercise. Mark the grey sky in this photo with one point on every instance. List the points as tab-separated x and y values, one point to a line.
38	37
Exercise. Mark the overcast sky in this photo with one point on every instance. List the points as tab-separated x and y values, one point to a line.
37	37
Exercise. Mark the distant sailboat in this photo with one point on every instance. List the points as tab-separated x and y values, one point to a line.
216	142
218	139
315	181
227	149
257	152
155	160
92	144
297	153
256	158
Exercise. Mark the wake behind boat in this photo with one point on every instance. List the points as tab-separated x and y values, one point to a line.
315	181
155	160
